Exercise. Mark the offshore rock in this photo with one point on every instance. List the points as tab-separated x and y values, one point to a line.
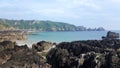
111	35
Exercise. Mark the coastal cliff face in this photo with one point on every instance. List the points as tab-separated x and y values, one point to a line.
12	35
40	25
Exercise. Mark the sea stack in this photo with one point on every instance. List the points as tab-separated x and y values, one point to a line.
111	35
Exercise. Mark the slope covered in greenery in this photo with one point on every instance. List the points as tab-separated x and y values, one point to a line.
43	25
4	25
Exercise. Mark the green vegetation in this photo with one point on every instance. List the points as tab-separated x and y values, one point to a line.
4	24
43	25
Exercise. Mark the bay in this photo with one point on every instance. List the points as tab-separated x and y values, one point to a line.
67	36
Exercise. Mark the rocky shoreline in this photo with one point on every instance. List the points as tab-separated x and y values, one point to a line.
103	53
12	35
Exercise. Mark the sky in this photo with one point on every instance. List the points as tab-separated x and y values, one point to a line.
88	13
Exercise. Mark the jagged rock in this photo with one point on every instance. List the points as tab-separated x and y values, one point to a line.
111	61
20	57
6	45
26	60
58	58
111	35
86	54
42	45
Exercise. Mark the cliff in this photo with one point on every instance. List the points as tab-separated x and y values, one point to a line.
40	25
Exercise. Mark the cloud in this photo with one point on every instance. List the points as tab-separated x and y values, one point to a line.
117	1
72	11
6	5
65	8
78	3
56	8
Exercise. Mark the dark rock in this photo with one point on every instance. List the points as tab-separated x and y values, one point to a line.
26	60
42	45
14	56
86	54
6	45
58	58
111	35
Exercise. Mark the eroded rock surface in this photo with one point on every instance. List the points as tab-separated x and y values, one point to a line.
86	54
14	56
42	46
80	54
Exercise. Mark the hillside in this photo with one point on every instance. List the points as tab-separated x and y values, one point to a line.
43	25
5	25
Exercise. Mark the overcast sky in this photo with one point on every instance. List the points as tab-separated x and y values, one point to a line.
88	13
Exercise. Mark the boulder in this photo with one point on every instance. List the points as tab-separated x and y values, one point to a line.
6	45
85	54
26	60
14	56
42	46
111	35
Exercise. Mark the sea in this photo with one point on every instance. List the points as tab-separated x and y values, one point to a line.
68	36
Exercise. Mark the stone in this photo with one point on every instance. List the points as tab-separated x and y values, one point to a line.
14	56
42	46
111	35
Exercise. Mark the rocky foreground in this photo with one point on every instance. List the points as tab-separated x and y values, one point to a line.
77	54
14	56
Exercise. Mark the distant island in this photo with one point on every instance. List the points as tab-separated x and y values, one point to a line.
40	25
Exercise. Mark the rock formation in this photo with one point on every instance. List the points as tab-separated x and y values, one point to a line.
111	35
42	46
77	54
87	54
14	56
12	35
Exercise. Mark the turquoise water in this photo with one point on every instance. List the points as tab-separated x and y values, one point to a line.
66	36
63	36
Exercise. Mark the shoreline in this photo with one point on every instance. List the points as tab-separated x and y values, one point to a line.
25	42
77	54
29	43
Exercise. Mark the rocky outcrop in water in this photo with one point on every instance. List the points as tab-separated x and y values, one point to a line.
111	35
